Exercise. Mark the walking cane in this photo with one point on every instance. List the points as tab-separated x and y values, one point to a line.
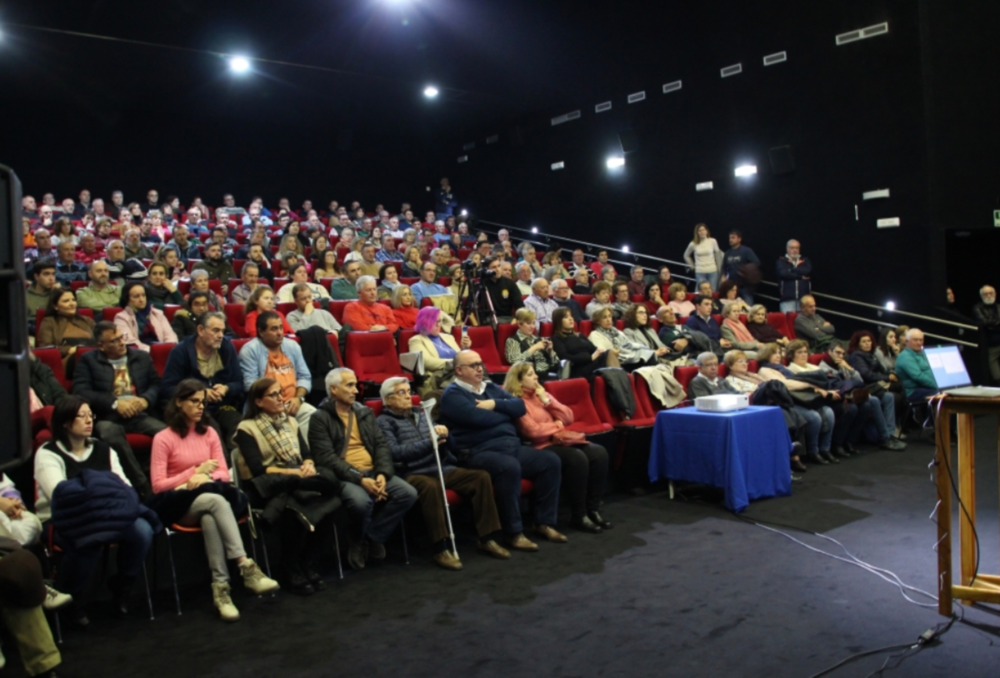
427	406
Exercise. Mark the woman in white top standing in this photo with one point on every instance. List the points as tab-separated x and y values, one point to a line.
704	256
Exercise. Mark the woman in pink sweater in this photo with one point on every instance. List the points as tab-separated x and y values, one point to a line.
187	461
584	464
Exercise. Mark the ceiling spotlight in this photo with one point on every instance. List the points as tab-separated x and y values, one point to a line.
890	305
534	229
465	213
430	91
239	64
745	170
615	161
624	248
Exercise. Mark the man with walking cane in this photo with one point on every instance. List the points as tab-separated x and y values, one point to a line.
414	444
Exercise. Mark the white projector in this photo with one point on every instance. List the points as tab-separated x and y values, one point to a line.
727	402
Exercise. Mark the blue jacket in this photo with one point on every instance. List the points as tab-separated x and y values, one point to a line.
735	257
710	328
479	430
791	286
409	438
192	252
253	363
914	371
183	364
95	508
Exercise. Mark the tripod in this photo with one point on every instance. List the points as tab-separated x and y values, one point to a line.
478	305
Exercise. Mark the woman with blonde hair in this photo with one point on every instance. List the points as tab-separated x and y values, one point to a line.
678	300
260	301
545	426
412	263
735	331
404	307
704	256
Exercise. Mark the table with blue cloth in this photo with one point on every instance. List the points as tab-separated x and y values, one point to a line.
745	452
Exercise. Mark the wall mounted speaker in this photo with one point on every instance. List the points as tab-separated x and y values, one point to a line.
782	159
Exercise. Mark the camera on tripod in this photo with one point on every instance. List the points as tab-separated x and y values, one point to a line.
480	273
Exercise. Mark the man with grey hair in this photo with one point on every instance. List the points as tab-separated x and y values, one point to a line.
366	314
408	434
115	258
428	286
794	277
987	316
523	269
388	252
707	381
562	295
914	369
539	303
506	269
345	289
637	283
345	438
180	244
527	252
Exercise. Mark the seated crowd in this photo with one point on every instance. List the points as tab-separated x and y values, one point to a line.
169	328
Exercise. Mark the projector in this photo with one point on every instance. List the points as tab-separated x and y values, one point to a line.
727	402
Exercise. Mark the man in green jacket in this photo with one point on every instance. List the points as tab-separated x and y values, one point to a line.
100	293
913	369
343	289
216	265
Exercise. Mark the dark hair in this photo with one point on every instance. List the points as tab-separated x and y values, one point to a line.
557	320
264	318
883	340
630	319
300	287
381	271
293	268
102	327
617	286
700	298
174	417
127	290
856	340
197	295
54	296
737	232
43	265
256	392
63	415
650	286
724	288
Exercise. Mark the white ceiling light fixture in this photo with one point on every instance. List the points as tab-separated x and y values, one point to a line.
624	248
534	229
239	64
431	91
745	170
615	161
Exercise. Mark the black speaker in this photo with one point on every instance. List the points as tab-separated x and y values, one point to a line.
516	136
344	138
782	159
14	356
628	141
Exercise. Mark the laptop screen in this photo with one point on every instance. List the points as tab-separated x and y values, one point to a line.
948	366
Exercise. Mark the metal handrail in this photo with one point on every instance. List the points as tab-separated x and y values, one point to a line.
881	309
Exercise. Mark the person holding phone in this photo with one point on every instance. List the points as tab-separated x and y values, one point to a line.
527	346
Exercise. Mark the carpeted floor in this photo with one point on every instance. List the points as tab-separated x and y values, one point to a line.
677	588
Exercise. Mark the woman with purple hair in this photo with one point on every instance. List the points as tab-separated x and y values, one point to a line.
439	349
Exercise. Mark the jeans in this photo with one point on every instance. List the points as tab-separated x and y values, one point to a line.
884	415
789	306
712	278
745	295
361	506
819	428
79	564
541	466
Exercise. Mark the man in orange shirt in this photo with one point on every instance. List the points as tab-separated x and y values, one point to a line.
366	314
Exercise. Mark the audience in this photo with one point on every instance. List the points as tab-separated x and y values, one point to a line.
545	426
262	301
639	331
583	356
140	322
630	354
280	476
527	346
438	347
480	418
298	274
653	299
345	288
539	302
740	267
812	326
729	292
683	343
735	332
914	370
888	349
707	381
345	438
428	286
504	293
601	300
562	295
679	303
200	283
307	315
763	331
367	314
404	307
100	293
794	273
408	435
987	315
63	327
159	288
702	321
190	477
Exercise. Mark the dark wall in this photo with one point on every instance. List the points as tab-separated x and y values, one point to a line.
855	115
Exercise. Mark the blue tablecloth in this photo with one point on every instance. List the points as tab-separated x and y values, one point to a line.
744	452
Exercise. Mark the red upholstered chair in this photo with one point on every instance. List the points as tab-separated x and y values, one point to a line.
627	428
110	312
238	266
279	283
52	358
816	358
239	343
373	357
169	310
643	398
335	345
337	310
620	325
403	342
236	317
504	332
575	394
545	330
77	284
779	321
684	375
790	324
160	353
586	326
484	344
583	299
286	307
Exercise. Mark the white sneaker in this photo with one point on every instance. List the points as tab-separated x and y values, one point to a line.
55	599
255	579
224	602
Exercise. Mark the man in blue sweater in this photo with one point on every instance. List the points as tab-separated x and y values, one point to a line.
741	265
480	416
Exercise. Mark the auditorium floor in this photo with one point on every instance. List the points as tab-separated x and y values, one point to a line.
675	589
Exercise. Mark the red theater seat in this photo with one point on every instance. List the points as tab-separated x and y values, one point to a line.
575	394
372	356
484	344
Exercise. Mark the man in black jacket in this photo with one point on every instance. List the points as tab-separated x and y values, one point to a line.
122	387
344	437
988	318
504	293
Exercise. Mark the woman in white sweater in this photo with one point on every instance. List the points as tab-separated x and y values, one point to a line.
704	256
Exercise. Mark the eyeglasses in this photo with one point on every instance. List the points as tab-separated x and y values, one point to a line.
85	416
474	366
403	394
274	395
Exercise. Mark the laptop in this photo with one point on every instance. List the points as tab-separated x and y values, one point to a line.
952	377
